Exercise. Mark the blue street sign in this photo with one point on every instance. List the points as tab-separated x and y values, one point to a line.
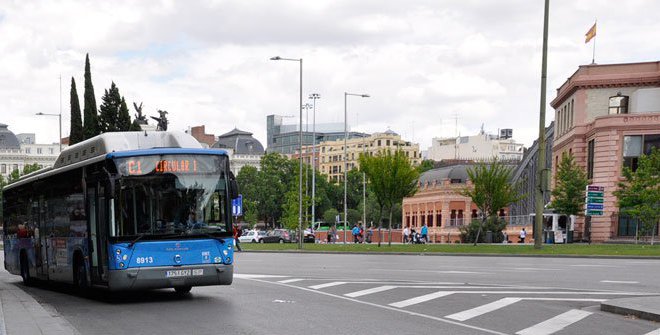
237	206
595	206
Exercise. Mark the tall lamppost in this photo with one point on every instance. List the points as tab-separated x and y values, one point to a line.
307	107
346	94
314	96
60	117
300	230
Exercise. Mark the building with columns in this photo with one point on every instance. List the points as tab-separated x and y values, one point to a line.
329	154
606	117
439	204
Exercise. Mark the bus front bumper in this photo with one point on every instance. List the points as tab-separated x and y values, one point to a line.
170	276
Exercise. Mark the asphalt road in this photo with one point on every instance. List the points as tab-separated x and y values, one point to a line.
377	294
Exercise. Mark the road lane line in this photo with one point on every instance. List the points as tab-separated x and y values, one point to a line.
320	286
483	309
655	332
420	299
369	291
248	276
286	281
619	281
425	316
555	324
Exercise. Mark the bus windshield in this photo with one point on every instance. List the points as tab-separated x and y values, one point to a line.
170	196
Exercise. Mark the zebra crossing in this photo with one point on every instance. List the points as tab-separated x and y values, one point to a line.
475	306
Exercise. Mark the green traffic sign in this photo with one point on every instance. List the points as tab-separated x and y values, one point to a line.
594	200
594	212
595	194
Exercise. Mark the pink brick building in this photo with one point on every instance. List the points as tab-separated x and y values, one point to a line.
606	116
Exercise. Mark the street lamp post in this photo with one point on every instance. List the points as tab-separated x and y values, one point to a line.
60	118
300	230
346	94
314	96
307	107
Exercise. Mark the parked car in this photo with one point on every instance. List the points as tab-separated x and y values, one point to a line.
253	236
276	236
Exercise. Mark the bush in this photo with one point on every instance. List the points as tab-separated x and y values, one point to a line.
494	225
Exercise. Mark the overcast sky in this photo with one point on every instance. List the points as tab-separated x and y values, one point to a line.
423	62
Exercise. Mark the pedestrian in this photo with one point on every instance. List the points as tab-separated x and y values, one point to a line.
333	234
406	234
370	233
237	234
425	233
356	234
523	234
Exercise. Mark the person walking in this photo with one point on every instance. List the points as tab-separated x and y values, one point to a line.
406	235
425	233
237	234
356	234
523	234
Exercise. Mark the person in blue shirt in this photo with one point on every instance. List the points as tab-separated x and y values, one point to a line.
425	233
356	233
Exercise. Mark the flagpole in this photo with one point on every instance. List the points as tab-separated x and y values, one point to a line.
593	55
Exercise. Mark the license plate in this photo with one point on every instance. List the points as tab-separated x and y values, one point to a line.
184	273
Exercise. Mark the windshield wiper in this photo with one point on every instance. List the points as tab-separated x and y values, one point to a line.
141	235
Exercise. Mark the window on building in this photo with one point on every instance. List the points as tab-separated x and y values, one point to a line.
27	150
3	168
378	142
635	146
38	151
590	159
619	104
387	142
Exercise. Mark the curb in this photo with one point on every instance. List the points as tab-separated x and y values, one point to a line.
634	306
403	253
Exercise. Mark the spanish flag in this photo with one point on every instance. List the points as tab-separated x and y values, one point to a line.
590	34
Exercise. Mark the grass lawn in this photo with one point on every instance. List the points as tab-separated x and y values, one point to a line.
504	249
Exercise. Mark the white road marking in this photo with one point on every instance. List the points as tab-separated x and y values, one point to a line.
431	271
495	305
555	324
369	291
420	299
483	309
246	276
320	286
593	266
406	312
287	281
654	332
619	281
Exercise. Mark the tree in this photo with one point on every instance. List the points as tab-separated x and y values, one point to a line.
491	190
76	134
639	195
330	215
391	178
29	168
91	122
124	119
568	194
109	110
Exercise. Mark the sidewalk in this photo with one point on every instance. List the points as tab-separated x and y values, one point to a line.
647	308
21	314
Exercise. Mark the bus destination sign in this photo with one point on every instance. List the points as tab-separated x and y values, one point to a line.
176	164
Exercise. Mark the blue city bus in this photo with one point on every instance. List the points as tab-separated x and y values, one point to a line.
124	211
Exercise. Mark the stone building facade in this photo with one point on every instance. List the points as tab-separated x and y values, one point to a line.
19	150
606	116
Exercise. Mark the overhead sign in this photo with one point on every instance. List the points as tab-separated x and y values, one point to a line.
595	197
237	206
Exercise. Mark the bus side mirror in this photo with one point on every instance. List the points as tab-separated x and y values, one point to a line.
233	186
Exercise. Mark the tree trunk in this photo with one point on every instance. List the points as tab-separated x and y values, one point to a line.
481	225
389	224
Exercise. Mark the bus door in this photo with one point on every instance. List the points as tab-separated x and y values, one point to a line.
97	213
41	233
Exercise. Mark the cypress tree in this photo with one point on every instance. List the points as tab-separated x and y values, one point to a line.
91	123
135	126
76	134
124	120
109	110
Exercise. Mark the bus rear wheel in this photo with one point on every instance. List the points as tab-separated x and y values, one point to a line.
25	269
182	289
80	274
